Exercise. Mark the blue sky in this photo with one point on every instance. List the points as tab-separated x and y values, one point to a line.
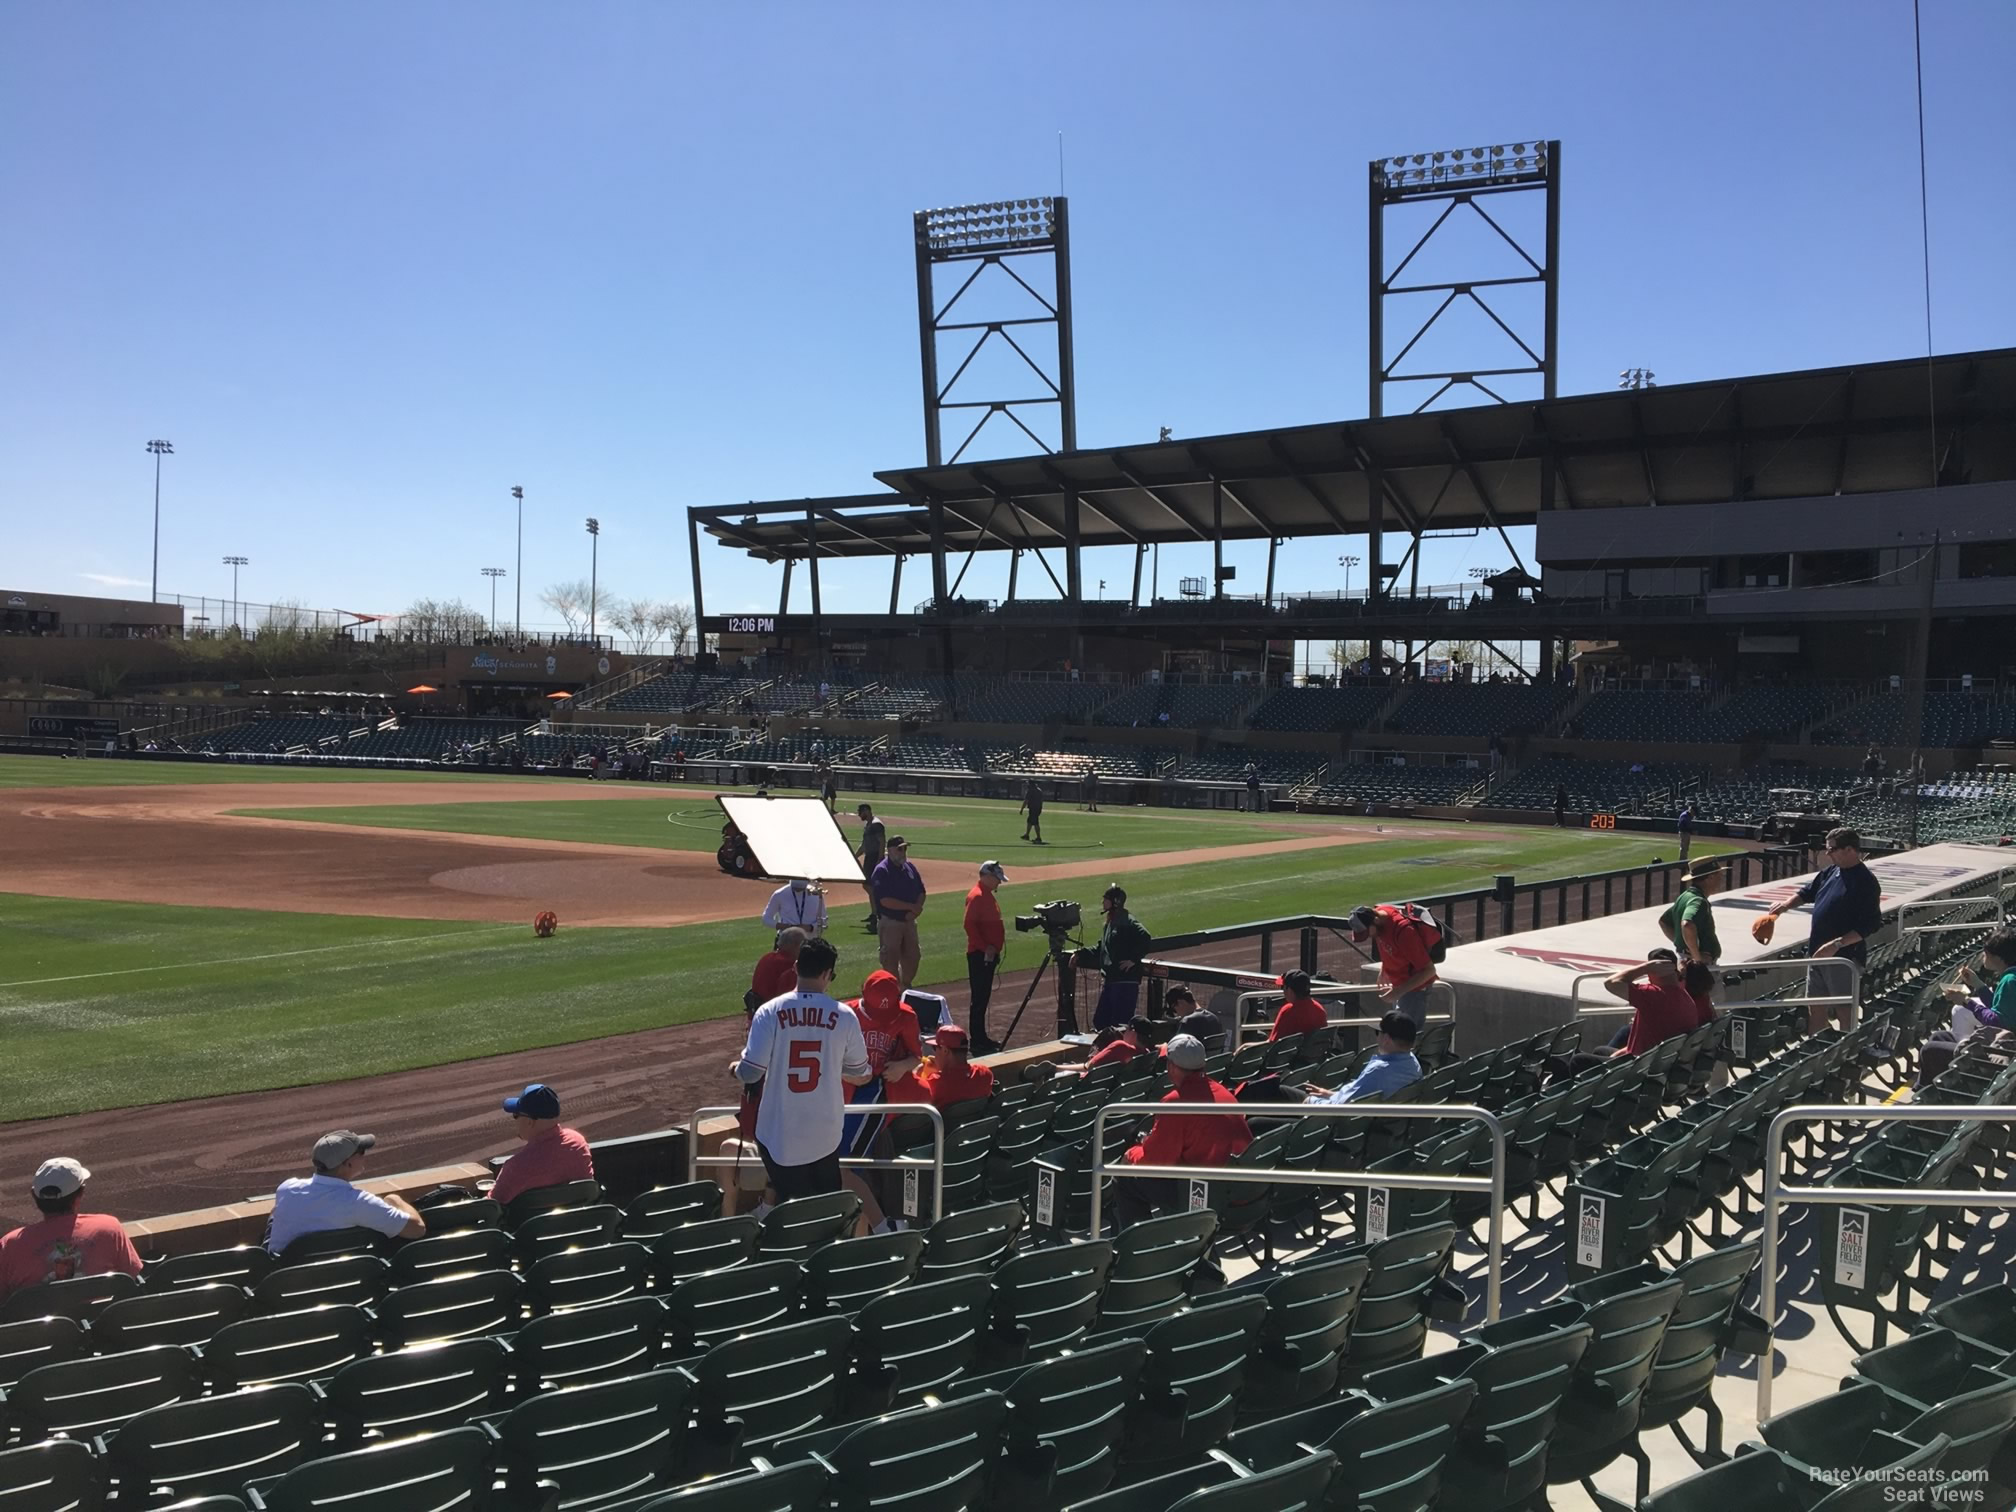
370	265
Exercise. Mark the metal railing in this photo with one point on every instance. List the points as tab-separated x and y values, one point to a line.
912	1166
1260	1028
1200	1177
1907	931
1777	1195
1847	999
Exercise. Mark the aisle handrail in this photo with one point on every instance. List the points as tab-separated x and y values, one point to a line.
905	1163
1616	1007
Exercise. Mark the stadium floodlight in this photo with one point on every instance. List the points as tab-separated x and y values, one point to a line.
237	608
594	566
1517	164
160	449
518	602
990	226
493	573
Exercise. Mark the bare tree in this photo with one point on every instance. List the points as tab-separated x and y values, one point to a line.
634	618
674	622
438	621
570	602
1346	655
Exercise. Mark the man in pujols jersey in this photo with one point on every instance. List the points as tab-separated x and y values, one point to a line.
807	1050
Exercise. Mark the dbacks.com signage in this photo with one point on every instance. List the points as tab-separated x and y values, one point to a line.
488	662
573	666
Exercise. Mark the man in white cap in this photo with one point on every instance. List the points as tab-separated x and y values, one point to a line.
329	1199
797	905
985	937
64	1242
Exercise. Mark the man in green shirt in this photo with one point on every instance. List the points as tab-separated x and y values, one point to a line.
1690	922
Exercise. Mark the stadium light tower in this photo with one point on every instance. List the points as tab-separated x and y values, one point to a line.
237	609
518	588
493	573
160	449
1347	563
1637	378
594	550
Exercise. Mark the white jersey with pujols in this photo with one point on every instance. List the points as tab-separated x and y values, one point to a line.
804	1043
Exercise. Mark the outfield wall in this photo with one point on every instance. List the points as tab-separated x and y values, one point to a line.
1514	986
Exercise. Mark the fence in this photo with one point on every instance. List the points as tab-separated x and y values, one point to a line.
911	1165
1199	1178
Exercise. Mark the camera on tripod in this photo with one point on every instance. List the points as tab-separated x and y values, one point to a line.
1051	918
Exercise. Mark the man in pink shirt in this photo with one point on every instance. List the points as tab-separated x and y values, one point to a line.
552	1156
64	1242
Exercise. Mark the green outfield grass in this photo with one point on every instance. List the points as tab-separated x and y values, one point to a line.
97	771
116	1004
955	828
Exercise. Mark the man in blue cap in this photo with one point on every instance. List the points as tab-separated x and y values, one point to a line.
553	1156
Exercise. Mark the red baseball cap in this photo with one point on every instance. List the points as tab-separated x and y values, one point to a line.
950	1037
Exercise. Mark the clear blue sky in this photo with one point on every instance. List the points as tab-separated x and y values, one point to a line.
369	265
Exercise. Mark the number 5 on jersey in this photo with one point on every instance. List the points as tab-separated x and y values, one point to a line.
804	1066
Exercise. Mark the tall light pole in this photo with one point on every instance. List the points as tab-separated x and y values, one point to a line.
1347	563
493	573
518	614
160	449
594	548
237	615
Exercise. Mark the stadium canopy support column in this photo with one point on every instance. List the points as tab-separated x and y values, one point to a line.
1074	570
1217	539
1546	672
1014	570
699	599
784	598
895	583
1375	556
935	507
1273	545
1140	554
812	566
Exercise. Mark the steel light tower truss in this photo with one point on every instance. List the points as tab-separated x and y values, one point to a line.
1464	180
1012	236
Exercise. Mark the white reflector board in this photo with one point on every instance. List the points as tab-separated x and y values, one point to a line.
794	837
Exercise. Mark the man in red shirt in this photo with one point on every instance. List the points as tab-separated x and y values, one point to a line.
1180	1139
1135	1036
985	938
1661	1007
552	1156
776	974
64	1242
953	1077
1406	971
1301	1014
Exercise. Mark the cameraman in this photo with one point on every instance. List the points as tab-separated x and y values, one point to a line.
1123	946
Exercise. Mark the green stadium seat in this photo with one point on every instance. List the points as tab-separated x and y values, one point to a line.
1768	1482
1302	1485
843	1277
703	1310
692	1249
938	1458
793	1230
1154	1269
450	1471
1305	1332
214	1445
1985	1316
1405	1286
970	1242
1523	1368
461	1215
755	1390
1931	1367
1390	1454
471	1249
797	1487
246	1265
80	1297
332	1244
1246	1207
452	1307
1599	1418
552	1230
1045	1300
569	1194
968	1142
668	1207
179	1315
1022	1133
295	1346
82	1398
356	1279
600	1444
1862	1424
588	1344
929	1334
55	1475
39	1341
587	1277
1066	1419
417	1390
1190	1384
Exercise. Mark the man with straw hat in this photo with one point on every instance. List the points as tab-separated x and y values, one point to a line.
1689	924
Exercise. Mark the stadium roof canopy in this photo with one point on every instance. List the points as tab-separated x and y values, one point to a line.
1804	434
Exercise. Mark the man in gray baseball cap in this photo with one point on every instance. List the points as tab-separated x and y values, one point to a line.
330	1199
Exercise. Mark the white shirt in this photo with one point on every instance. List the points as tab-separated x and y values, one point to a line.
314	1204
804	1043
789	906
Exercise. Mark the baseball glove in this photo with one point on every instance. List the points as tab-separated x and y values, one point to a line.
545	924
1762	928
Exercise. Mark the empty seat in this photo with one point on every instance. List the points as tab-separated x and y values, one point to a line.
1862	1424
1405	1285
845	1276
295	1346
1154	1263
793	1230
972	1242
703	1310
179	1315
79	1297
244	1265
928	1334
1304	1332
668	1207
549	1231
428	1386
570	1194
39	1341
58	1474
588	1344
1599	1419
1767	1482
357	1279
436	1472
452	1307
599	1443
1191	1378
1302	1485
796	1487
470	1249
1076	1407
587	1277
81	1398
1390	1454
215	1444
761	1388
937	1458
695	1248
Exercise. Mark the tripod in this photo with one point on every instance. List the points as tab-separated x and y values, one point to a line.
1059	955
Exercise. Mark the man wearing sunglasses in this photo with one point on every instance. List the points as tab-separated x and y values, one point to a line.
1847	908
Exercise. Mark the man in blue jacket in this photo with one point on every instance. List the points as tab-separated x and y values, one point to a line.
1847	909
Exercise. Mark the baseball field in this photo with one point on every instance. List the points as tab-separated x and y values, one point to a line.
176	933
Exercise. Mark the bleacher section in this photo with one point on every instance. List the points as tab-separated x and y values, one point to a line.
1350	785
1320	709
918	754
1012	701
1188	705
284	734
1477	709
1685	715
434	739
913	698
1952	718
1068	765
1277	768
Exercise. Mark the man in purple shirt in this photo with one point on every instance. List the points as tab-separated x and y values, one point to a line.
898	892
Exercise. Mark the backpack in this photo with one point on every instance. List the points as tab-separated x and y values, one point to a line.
1434	933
